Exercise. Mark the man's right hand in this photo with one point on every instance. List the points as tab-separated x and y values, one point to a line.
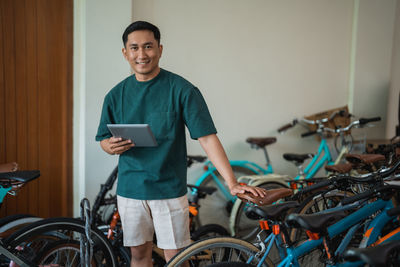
116	146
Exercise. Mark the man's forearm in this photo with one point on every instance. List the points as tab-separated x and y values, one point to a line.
216	153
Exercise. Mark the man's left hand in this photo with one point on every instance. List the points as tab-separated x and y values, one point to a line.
242	188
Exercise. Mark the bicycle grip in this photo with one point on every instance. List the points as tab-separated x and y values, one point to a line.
318	185
368	120
285	127
308	133
363	195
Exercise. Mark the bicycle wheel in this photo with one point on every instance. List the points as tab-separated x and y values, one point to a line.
209	230
218	249
39	239
212	205
12	223
246	226
344	141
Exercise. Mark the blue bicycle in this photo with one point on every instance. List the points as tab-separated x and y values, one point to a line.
330	231
243	227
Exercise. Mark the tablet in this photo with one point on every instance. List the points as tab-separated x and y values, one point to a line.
140	134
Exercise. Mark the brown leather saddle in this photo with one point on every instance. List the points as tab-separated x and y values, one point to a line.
271	196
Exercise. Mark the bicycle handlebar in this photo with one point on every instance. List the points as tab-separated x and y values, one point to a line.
287	126
367	120
357	197
370	194
368	178
308	133
317	186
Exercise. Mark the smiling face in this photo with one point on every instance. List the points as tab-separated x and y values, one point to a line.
143	53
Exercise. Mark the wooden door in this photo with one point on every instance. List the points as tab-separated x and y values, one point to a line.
36	102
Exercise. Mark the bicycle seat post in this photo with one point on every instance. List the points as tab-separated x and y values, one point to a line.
268	161
300	169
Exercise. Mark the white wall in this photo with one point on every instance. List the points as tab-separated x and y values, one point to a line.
98	66
393	100
258	63
373	60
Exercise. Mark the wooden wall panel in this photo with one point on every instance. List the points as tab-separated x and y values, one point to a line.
36	104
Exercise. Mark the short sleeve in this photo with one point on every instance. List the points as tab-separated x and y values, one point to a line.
106	118
196	114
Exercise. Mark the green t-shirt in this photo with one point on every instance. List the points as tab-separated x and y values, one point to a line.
167	103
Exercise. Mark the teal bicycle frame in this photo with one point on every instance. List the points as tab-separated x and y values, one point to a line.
211	170
323	157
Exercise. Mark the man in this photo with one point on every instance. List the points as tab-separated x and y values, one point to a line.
152	180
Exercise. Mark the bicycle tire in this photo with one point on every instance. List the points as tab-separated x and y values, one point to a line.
209	230
12	223
245	227
217	249
215	203
35	238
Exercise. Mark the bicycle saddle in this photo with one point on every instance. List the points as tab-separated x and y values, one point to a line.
271	196
374	256
339	168
298	158
202	190
316	223
261	141
274	212
364	158
19	176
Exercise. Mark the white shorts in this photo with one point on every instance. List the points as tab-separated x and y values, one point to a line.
167	218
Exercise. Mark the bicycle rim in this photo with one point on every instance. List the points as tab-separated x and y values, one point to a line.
219	249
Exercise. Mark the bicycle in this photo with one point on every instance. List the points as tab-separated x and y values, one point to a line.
326	226
48	241
243	227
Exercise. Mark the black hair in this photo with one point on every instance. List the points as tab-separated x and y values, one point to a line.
141	25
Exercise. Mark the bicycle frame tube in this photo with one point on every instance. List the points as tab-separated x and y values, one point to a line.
270	241
211	172
375	227
3	192
257	169
245	164
318	161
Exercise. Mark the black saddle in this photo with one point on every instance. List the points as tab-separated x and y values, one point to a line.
261	141
202	191
375	256
19	176
273	212
297	158
316	223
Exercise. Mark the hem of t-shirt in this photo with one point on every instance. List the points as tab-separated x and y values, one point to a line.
150	198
